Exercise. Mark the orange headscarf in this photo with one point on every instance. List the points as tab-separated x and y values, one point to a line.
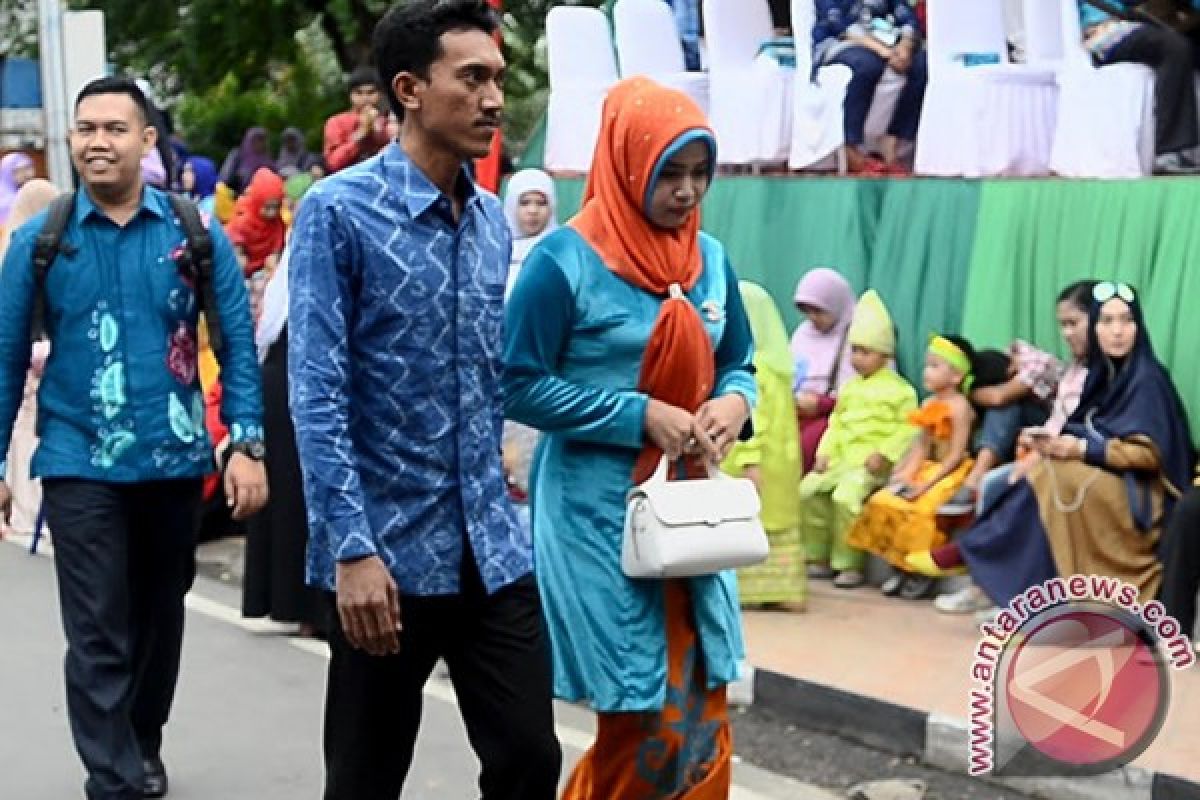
258	237
641	121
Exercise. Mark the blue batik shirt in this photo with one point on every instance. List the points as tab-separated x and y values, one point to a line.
120	400
395	347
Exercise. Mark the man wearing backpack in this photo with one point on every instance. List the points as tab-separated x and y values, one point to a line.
121	418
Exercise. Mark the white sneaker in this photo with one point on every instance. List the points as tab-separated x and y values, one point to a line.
987	616
965	601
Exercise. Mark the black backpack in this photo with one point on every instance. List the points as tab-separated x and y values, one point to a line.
196	261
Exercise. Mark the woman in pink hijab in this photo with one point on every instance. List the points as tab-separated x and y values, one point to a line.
820	352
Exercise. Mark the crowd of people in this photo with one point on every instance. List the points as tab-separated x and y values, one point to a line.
427	408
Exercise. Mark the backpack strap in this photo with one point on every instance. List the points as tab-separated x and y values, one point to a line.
46	247
200	254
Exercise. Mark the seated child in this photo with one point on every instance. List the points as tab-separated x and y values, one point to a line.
902	518
1021	399
771	459
868	433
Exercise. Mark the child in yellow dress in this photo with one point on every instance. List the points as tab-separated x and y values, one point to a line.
902	518
868	433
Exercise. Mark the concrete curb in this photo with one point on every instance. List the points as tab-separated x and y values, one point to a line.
940	741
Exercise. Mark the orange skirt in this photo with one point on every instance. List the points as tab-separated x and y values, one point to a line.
683	752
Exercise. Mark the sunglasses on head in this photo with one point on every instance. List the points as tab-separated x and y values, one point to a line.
1107	290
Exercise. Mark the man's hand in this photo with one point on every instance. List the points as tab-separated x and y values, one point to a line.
668	428
368	604
245	486
366	121
878	465
901	56
721	420
5	503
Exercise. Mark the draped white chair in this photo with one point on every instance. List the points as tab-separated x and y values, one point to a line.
750	95
648	44
989	119
582	67
1105	114
817	124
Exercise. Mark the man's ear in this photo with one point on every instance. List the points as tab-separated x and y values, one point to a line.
149	139
408	89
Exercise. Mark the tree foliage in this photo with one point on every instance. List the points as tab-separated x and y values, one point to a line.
204	48
18	28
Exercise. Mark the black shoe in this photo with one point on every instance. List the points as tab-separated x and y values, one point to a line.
916	587
1175	164
154	784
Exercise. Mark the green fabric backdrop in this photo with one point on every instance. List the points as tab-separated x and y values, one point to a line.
1034	237
984	258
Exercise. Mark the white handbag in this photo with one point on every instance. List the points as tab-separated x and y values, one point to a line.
677	529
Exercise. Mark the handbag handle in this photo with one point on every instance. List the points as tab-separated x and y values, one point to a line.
660	472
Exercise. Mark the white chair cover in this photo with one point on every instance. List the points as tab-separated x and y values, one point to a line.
817	125
648	44
582	68
750	97
995	119
1105	115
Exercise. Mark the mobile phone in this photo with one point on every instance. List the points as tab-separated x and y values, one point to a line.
1038	433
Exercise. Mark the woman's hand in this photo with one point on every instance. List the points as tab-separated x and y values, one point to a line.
668	428
721	420
1063	448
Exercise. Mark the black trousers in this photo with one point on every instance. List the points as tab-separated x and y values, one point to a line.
125	557
1181	562
494	647
1173	58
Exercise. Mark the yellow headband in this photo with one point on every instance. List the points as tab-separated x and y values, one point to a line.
945	349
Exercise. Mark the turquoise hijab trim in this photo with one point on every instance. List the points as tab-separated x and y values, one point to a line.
694	135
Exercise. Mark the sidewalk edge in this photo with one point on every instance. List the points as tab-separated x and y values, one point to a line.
939	741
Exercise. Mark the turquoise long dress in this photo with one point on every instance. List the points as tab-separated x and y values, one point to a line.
576	336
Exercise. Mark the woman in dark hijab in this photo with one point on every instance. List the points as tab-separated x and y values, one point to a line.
1098	500
293	154
246	159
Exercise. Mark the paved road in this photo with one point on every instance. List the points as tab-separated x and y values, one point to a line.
247	719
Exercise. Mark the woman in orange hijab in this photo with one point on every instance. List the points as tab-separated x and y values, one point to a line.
627	340
257	233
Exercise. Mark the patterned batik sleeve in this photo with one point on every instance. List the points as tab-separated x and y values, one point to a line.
320	391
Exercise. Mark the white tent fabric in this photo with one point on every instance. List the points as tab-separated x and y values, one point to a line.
648	44
582	68
817	123
1105	114
990	119
750	96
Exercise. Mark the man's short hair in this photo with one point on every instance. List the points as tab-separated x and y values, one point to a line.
363	76
408	38
117	85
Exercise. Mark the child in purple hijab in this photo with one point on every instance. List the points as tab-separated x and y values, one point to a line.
820	352
15	170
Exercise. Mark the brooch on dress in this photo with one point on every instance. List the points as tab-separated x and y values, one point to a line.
712	311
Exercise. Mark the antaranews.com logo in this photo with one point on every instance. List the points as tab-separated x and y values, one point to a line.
1073	678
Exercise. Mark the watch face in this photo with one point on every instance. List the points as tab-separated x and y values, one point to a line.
255	450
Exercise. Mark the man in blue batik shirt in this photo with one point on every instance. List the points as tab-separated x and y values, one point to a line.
123	446
397	276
